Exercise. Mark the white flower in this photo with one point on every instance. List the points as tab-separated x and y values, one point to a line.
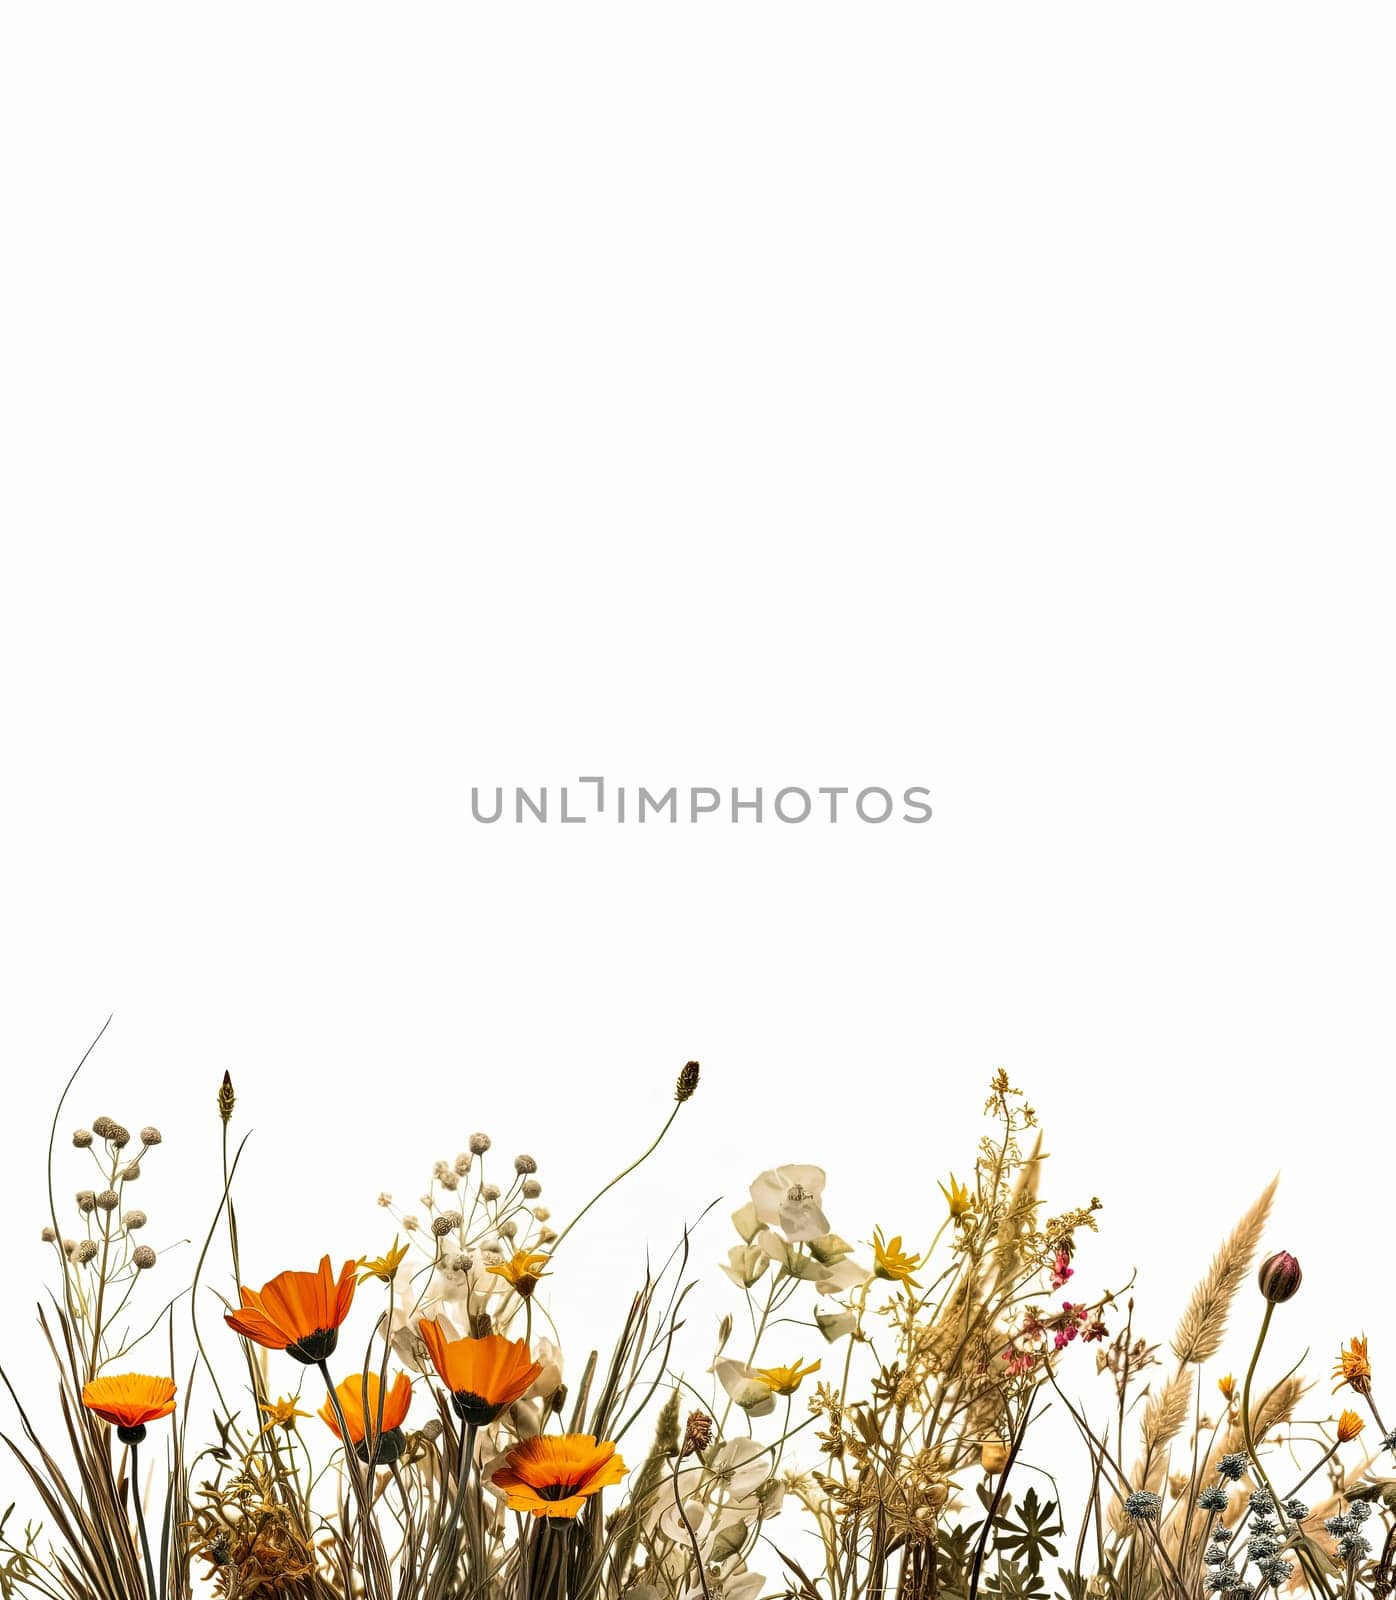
827	1277
834	1325
745	1264
788	1198
753	1396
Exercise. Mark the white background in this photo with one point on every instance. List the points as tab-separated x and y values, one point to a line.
992	398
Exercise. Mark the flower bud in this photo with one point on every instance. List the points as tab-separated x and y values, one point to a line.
1280	1278
993	1456
226	1098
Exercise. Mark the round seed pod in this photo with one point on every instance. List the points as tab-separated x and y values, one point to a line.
479	1143
143	1256
82	1137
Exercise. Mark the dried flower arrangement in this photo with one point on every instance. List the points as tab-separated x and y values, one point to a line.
444	1456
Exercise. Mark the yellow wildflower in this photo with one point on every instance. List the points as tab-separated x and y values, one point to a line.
1349	1426
959	1199
383	1267
281	1413
521	1271
784	1380
892	1262
1227	1385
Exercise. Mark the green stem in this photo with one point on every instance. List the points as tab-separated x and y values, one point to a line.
140	1524
1314	1574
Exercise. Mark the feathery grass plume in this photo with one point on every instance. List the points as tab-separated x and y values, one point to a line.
1203	1324
1166	1411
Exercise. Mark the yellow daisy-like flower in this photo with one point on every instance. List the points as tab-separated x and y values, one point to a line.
784	1380
522	1271
383	1267
959	1199
1227	1385
281	1413
1353	1367
890	1261
1349	1426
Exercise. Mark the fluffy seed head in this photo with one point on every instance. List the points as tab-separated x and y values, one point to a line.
531	1188
49	1235
524	1165
479	1143
489	1191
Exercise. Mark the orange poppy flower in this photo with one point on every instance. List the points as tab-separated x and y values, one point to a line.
361	1419
129	1402
554	1475
483	1375
298	1312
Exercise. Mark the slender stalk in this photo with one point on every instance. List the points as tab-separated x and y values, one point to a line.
1314	1573
140	1524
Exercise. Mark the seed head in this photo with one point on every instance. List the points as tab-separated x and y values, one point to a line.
104	1127
698	1435
82	1138
87	1202
411	1224
85	1251
119	1137
143	1256
133	1220
546	1235
479	1143
385	1199
462	1163
447	1222
524	1165
1280	1278
508	1228
688	1082
431	1428
448	1179
531	1188
541	1213
226	1098
489	1191
130	1172
108	1200
150	1136
49	1235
